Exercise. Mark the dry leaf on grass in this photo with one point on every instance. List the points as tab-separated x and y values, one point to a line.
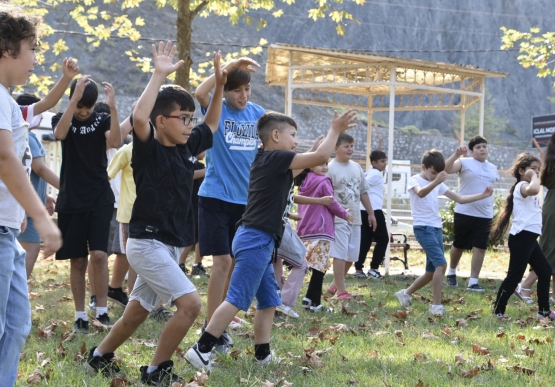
461	322
420	383
35	377
119	381
400	314
459	359
528	351
470	373
429	335
500	335
267	383
420	357
480	350
374	353
527	371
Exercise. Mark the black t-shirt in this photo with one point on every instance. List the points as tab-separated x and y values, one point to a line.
164	180
84	184
269	192
197	182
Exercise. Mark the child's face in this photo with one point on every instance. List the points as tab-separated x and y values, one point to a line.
345	150
480	152
83	113
20	68
237	98
321	169
380	164
171	130
286	139
535	166
428	173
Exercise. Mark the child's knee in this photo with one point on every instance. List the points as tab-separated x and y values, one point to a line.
441	268
189	305
98	257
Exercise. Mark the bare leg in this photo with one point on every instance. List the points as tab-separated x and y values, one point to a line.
338	275
263	320
478	256
347	267
184	254
528	283
221	318
90	275
217	284
198	257
78	268
278	270
420	282
118	271
32	250
228	279
99	261
455	257
437	283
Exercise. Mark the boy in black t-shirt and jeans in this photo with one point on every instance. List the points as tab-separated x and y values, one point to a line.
163	174
86	201
260	231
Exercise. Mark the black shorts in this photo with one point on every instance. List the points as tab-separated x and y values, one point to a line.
217	223
84	231
471	231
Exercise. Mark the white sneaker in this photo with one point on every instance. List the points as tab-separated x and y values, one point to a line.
270	359
198	359
437	310
320	308
307	303
286	310
404	299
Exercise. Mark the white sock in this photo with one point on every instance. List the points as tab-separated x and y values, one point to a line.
100	310
436	305
96	353
151	369
81	315
472	281
452	271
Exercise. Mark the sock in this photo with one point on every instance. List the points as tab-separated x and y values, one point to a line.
472	281
436	305
100	310
81	315
261	351
452	271
151	369
198	264
206	342
97	354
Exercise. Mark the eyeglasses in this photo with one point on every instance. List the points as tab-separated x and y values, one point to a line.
186	119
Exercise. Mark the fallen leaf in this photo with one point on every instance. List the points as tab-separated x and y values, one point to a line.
119	381
470	373
461	322
500	335
420	383
480	350
61	351
35	377
459	359
527	371
529	351
344	358
419	357
287	384
428	335
374	353
488	366
520	337
83	350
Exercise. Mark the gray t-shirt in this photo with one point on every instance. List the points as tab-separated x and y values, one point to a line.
11	212
475	176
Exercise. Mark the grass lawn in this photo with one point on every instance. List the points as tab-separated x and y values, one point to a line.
369	342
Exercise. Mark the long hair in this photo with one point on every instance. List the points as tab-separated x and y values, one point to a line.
548	161
499	229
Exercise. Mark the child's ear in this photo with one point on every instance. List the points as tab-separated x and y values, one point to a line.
159	121
275	135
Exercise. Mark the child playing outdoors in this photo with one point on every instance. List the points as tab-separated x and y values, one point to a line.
349	189
260	230
524	205
163	142
316	230
17	196
375	180
424	190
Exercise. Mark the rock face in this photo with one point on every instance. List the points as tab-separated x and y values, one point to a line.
436	30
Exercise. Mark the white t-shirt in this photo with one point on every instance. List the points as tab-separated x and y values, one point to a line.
11	212
375	181
29	115
527	213
425	211
348	184
115	183
475	176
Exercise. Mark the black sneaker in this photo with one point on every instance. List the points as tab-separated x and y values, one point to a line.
118	296
104	319
162	376
104	364
92	303
374	274
183	268
475	288
198	269
452	280
160	314
81	326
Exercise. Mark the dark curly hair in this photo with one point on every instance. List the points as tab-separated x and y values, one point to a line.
15	27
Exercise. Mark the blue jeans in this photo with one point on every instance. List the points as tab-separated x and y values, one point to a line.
253	275
431	240
15	310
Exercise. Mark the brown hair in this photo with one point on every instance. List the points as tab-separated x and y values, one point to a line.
270	121
237	78
15	27
548	161
434	158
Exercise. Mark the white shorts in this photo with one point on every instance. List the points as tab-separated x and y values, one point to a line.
159	276
347	242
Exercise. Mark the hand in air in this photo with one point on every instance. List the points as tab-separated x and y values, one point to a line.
80	87
70	68
243	64
163	58
461	151
442	176
347	120
110	94
219	72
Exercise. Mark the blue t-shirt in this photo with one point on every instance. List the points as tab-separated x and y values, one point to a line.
37	150
229	161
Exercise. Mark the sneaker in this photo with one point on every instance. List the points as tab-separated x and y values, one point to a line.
307	303
360	274
198	270
104	364
160	314
118	296
286	310
320	308
198	359
437	310
452	280
223	344
550	315
404	299
374	274
162	376
183	268
81	326
501	317
105	319
92	304
475	288
270	359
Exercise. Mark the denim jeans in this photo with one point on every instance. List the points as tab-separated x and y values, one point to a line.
431	240
15	310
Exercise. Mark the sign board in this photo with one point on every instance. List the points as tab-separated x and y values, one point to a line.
542	129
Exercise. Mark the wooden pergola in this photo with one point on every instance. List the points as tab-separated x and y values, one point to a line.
366	82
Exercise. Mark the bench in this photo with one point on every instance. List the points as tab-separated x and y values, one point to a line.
399	241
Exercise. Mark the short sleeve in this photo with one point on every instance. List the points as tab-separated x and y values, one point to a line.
517	192
364	187
281	160
29	116
140	148
201	139
203	110
413	182
373	179
37	150
5	116
105	122
442	188
119	161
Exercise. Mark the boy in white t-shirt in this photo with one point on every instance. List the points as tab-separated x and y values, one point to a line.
424	190
473	220
349	189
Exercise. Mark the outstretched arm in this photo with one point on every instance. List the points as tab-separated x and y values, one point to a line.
70	70
113	136
453	164
463	199
163	66
423	191
212	118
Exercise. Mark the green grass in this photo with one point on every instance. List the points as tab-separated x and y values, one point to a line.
372	348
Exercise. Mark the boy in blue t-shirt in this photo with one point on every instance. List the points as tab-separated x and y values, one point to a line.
223	193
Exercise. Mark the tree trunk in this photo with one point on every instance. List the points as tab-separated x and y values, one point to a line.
184	26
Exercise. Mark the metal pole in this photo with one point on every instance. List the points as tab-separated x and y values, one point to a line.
289	94
390	160
368	139
482	107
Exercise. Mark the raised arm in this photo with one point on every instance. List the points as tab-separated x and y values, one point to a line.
214	112
40	168
463	199
339	124
163	66
61	129
453	164
423	191
532	188
113	136
70	70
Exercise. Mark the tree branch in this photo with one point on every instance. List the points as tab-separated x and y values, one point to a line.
198	8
